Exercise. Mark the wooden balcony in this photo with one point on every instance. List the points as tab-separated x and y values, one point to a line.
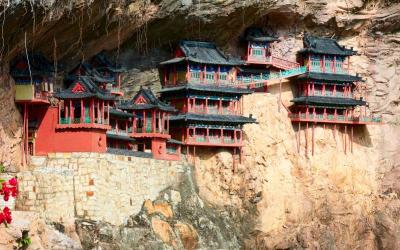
65	123
272	60
28	94
334	119
215	141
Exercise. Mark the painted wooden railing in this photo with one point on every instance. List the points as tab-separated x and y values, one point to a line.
330	117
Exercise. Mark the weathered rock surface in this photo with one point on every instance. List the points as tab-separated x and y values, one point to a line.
42	235
183	221
278	198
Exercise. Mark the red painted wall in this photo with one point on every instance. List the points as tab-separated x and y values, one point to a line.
50	140
159	150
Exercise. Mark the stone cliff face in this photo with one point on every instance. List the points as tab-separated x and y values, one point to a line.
278	197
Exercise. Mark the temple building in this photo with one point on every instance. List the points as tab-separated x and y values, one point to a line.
150	125
201	83
33	76
78	123
326	92
118	137
110	71
261	63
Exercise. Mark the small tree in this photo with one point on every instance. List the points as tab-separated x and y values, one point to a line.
7	189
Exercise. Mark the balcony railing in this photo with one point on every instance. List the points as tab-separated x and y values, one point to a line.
213	140
340	118
86	120
119	132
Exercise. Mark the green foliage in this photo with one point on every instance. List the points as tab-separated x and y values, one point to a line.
24	241
2	168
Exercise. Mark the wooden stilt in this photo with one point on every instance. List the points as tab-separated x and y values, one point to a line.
345	139
299	138
313	138
352	138
241	155
234	160
334	132
27	136
306	139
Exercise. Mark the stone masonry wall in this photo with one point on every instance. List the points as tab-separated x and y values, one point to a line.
104	187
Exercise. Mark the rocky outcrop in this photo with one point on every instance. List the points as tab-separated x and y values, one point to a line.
27	225
177	219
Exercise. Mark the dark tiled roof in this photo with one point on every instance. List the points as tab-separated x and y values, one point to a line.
120	113
322	45
203	52
152	102
329	77
119	137
331	101
252	70
39	66
91	90
207	88
92	73
173	141
212	118
103	62
126	152
253	34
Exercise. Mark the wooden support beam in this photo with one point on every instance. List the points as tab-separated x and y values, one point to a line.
234	160
345	139
306	139
313	138
352	138
299	138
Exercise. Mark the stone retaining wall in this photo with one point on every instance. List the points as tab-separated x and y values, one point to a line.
93	186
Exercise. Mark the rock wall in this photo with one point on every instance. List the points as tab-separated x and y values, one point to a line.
93	186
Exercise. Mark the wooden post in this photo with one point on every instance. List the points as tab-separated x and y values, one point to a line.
175	74
91	110
234	160
82	112
313	138
299	137
206	105
306	139
71	112
144	122
351	139
345	139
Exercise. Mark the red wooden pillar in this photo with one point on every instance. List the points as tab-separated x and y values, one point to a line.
165	77
167	123
59	112
334	64
91	110
82	112
144	122
323	89
207	135
313	88
222	135
218	73
134	124
66	109
102	112
205	73
188	73
126	126
220	106
71	111
153	121
206	105
175	74
323	64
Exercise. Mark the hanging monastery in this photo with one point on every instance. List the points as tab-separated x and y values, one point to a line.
199	106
